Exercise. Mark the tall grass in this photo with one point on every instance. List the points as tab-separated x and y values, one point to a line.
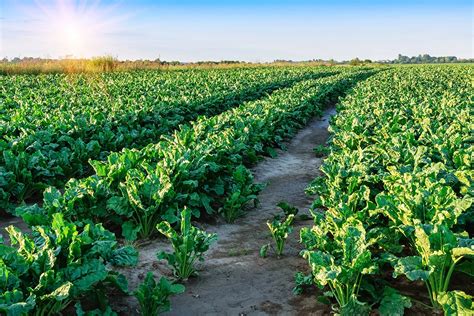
40	66
109	63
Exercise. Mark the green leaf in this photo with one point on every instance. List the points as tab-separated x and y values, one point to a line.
12	303
466	267
118	280
93	147
96	312
52	198
170	287
206	200
153	298
412	268
354	308
124	257
393	303
61	293
33	215
100	167
271	152
85	276
119	205
456	303
460	252
287	208
130	230
302	281
264	250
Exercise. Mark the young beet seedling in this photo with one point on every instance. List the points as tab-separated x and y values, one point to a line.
287	208
153	297
189	245
279	230
321	151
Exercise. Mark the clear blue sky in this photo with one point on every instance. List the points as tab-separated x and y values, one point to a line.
236	30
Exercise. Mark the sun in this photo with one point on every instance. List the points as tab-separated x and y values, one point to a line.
72	37
75	27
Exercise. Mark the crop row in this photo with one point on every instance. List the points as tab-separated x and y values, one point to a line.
200	166
51	125
397	193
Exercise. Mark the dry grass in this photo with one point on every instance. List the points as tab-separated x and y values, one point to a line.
34	66
108	64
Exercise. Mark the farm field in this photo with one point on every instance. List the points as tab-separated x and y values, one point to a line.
51	125
265	190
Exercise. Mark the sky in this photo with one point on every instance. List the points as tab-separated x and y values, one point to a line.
255	31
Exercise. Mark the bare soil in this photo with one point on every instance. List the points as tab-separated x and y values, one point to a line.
233	279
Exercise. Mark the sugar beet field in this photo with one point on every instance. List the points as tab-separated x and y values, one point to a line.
242	191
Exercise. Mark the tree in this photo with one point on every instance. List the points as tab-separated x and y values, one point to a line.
354	62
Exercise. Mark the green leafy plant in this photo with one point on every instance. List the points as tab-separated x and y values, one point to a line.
95	312
43	273
439	251
243	190
425	213
456	303
339	263
189	245
154	297
287	208
393	303
302	281
279	229
321	151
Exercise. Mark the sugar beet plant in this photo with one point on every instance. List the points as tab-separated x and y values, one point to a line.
339	256
287	208
427	221
280	227
279	230
200	166
153	297
189	245
58	265
397	190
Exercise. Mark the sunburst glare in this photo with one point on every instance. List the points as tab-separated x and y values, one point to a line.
75	28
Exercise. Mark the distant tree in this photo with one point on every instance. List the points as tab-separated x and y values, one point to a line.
427	59
402	59
355	62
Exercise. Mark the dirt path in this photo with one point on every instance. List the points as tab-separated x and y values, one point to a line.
233	279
